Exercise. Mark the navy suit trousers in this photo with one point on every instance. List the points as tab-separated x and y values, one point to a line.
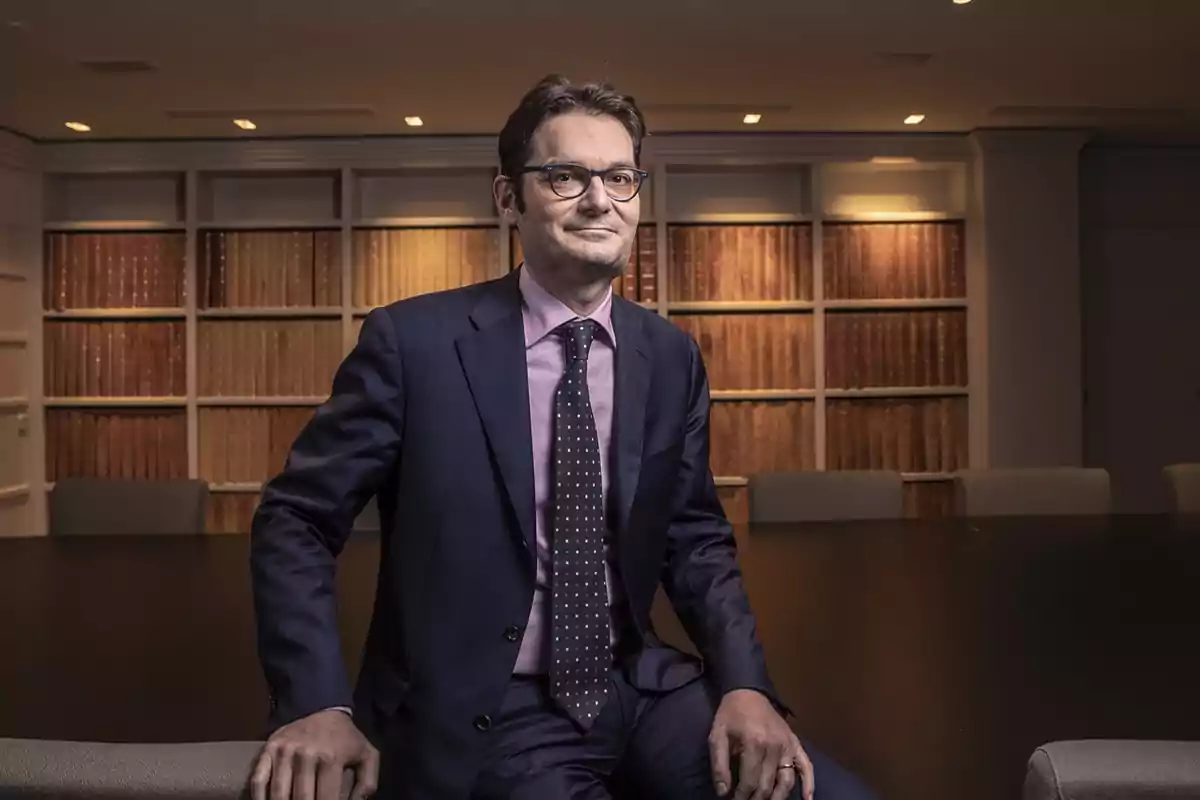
651	746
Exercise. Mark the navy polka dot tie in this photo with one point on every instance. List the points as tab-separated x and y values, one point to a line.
581	652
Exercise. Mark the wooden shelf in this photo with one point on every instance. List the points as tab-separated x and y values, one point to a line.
235	488
269	225
739	307
13	338
115	226
892	216
717	218
286	312
724	481
898	304
259	402
898	391
926	477
427	222
14	402
734	395
116	402
118	313
14	492
907	477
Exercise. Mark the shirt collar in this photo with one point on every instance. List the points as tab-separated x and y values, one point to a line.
544	312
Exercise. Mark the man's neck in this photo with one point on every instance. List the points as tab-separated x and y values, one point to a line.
582	299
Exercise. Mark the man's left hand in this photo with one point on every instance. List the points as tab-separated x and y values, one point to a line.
748	727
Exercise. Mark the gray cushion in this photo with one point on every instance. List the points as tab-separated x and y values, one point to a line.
58	770
1034	491
367	520
1114	770
100	506
826	496
1183	480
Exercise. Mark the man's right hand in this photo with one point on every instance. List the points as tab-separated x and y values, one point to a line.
305	760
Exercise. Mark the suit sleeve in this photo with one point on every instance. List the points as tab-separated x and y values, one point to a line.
305	515
701	575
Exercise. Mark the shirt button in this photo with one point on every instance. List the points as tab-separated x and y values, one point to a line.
483	722
512	633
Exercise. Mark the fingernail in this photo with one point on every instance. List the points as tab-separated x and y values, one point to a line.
722	789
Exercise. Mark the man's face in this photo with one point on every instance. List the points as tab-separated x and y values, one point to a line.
586	238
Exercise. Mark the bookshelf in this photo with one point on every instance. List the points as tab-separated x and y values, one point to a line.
193	318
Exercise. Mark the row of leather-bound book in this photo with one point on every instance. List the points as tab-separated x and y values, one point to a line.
249	444
268	358
298	357
270	269
277	269
113	270
235	358
863	349
918	434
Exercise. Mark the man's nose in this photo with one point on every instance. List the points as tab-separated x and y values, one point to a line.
596	196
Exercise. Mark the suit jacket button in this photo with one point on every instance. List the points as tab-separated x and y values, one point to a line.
512	633
483	722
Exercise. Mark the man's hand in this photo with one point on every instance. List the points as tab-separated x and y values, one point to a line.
747	726
305	760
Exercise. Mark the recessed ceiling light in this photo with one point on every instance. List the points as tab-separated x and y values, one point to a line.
961	2
245	124
414	122
751	119
914	119
79	126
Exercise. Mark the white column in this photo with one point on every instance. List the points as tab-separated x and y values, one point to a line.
1028	313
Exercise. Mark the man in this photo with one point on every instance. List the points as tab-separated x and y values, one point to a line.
539	451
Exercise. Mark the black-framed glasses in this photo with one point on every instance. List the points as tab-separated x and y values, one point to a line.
569	181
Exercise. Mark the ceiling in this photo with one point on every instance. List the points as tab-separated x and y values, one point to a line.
1128	68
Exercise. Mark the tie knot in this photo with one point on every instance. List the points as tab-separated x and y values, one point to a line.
578	334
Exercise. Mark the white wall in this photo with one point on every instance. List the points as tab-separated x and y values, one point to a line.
1141	258
1028	317
19	307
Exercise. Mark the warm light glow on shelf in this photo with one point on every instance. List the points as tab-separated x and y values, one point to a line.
79	126
414	122
752	119
245	124
893	160
914	119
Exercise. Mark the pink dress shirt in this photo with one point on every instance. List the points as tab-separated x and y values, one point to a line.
545	363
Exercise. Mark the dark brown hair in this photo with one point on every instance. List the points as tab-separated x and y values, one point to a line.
555	95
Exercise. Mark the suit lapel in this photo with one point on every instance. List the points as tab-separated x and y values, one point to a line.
493	359
630	393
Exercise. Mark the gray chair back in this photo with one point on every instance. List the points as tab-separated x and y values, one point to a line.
1107	769
367	520
1183	482
1032	491
44	768
826	496
100	506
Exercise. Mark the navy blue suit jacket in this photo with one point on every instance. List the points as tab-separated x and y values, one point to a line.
429	413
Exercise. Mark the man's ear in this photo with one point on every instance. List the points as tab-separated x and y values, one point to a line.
503	191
